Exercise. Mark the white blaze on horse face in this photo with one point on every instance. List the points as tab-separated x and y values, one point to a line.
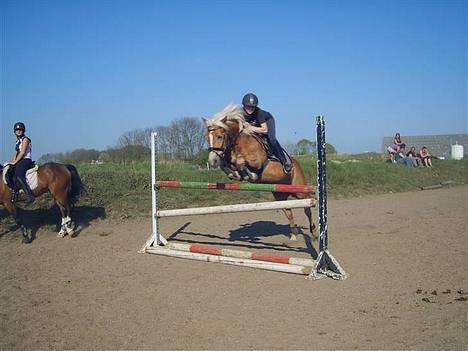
210	135
213	158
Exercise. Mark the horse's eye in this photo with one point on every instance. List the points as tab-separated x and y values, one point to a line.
219	137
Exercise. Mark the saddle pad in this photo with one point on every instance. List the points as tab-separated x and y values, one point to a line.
31	175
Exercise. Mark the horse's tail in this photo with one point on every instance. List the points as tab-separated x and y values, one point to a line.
77	186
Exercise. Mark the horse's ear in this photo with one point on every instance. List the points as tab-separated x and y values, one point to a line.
224	119
205	121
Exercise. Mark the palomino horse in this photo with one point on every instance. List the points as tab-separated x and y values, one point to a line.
62	181
242	156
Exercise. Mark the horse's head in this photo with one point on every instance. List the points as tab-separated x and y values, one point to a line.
222	131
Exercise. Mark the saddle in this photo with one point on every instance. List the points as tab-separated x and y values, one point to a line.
8	176
263	140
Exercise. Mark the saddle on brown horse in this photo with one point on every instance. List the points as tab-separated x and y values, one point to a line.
9	178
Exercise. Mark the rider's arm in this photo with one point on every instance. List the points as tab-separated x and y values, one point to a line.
263	129
24	147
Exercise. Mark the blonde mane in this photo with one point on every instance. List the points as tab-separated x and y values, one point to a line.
232	113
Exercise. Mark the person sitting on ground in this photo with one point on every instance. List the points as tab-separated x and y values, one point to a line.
414	155
262	122
425	156
401	158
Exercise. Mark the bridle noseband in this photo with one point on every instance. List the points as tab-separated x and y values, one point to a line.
219	151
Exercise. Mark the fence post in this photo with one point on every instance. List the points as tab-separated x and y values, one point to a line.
326	265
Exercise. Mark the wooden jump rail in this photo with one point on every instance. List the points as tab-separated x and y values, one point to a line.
235	257
325	265
258	206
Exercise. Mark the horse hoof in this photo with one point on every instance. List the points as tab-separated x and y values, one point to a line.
61	234
26	241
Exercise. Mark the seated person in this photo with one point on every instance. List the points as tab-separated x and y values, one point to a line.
414	155
401	158
425	156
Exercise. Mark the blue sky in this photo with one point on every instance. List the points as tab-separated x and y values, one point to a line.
81	73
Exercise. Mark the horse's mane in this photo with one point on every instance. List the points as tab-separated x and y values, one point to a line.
231	112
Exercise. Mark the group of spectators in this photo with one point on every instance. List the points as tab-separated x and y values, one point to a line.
411	158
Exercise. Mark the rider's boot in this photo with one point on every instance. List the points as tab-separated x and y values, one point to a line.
285	161
27	190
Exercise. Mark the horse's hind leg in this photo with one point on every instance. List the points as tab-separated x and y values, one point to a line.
308	213
66	227
289	215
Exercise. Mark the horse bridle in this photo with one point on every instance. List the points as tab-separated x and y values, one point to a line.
219	151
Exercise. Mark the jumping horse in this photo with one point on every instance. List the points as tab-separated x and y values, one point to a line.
243	156
62	181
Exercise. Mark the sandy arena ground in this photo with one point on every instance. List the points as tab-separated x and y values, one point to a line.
406	256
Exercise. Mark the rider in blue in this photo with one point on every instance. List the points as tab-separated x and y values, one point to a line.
22	161
262	122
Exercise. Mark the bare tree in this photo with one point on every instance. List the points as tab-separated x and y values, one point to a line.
182	139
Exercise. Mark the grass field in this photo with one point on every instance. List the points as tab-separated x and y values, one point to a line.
124	191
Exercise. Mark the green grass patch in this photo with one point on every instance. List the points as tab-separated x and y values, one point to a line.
124	191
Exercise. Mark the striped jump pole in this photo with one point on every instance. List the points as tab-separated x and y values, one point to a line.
279	188
326	265
207	253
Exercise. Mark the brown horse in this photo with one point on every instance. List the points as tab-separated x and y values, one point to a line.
242	156
62	181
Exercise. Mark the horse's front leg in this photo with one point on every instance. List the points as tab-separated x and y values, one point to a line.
251	176
244	171
27	234
231	173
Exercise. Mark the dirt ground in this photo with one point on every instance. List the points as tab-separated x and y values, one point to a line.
406	256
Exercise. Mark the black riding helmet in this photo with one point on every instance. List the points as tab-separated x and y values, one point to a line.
19	125
250	100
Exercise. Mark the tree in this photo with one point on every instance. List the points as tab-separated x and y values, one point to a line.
305	147
330	149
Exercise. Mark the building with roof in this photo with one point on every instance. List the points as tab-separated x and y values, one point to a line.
438	145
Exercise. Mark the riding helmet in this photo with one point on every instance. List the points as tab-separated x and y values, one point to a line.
19	125
250	100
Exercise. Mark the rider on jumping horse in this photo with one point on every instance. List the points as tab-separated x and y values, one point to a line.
22	161
262	122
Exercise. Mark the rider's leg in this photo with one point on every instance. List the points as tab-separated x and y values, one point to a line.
20	170
276	147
